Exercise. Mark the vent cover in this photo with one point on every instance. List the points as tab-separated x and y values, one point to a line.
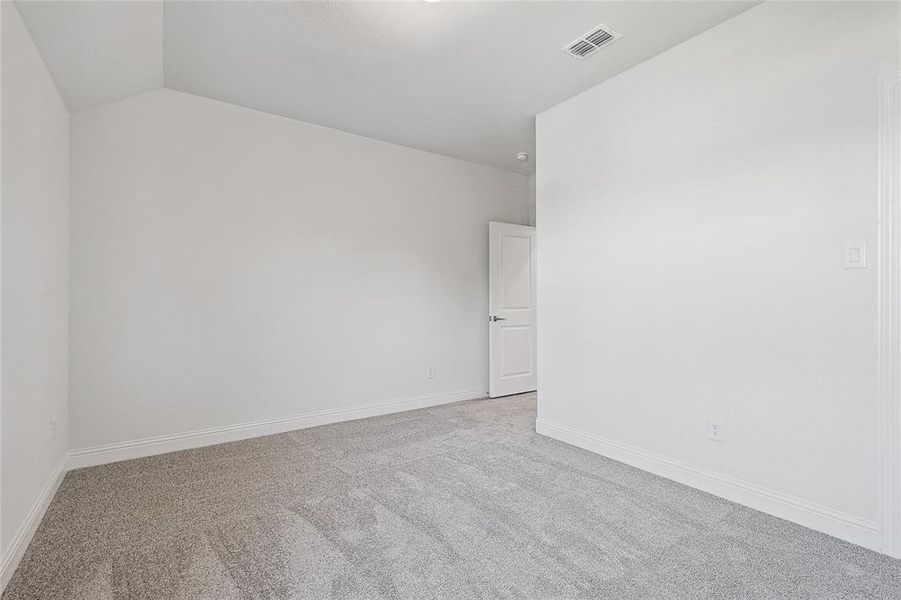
591	42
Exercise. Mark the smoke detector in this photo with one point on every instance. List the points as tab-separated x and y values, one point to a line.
522	156
586	45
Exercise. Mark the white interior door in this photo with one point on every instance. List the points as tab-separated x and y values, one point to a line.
511	309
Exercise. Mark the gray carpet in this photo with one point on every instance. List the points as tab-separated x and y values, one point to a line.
459	501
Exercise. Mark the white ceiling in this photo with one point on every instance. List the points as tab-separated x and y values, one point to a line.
98	51
463	79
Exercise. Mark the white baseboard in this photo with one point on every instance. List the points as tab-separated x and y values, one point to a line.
23	536
838	524
99	455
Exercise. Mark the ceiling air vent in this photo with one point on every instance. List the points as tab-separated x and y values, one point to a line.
591	42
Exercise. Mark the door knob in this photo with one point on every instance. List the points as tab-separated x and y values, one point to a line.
497	318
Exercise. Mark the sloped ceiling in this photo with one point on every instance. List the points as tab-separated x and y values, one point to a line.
463	79
98	51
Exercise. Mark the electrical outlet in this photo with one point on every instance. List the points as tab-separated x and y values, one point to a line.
715	430
52	429
430	373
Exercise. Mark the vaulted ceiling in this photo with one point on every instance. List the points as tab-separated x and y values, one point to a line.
463	79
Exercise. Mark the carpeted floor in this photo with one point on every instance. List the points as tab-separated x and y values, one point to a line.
459	501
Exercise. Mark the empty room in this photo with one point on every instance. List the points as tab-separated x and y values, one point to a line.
463	300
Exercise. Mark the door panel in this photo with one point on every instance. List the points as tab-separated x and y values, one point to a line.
511	306
516	284
515	356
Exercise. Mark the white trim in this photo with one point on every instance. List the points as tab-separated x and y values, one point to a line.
26	531
848	527
99	455
888	304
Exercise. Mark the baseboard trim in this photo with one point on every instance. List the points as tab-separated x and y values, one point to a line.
99	455
26	531
821	518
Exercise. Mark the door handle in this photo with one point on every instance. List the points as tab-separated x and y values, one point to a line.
496	318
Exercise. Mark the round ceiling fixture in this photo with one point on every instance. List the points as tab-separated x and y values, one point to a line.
522	156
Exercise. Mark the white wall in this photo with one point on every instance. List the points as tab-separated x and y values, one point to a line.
693	214
533	207
231	266
34	310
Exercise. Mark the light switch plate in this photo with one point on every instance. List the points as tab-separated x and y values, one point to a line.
855	255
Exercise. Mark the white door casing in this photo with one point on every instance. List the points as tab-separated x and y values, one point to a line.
889	312
511	309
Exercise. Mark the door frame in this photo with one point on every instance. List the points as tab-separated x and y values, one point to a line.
889	313
494	254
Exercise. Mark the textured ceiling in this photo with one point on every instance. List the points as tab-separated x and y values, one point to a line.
98	51
463	79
